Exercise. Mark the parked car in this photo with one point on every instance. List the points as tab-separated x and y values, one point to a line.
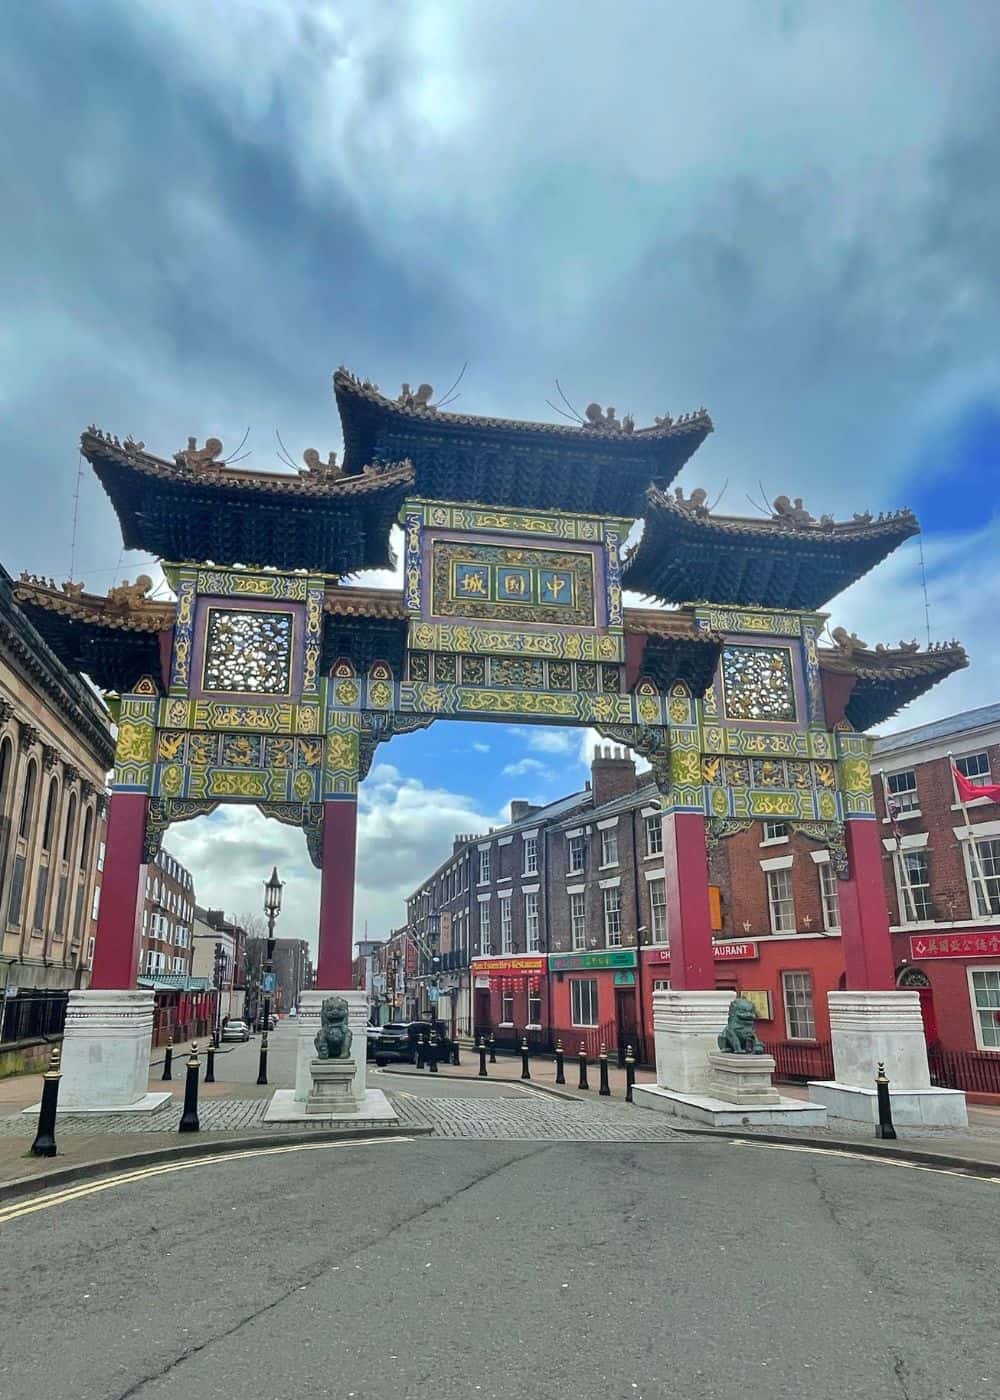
235	1030
372	1034
272	1023
398	1041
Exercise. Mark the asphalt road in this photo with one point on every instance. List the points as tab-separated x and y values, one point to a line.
478	1270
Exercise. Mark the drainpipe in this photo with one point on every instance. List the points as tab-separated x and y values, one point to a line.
639	1018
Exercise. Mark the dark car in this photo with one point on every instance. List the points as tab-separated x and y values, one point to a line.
398	1041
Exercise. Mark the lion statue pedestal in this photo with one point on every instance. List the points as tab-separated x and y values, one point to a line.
741	1079
333	1070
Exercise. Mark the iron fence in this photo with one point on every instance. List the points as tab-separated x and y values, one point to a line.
972	1070
801	1060
32	1014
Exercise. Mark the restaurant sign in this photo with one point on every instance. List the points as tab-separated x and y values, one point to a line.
721	952
576	962
508	966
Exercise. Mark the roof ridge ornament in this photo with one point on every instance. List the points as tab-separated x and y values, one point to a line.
418	398
695	503
126	594
315	466
197	457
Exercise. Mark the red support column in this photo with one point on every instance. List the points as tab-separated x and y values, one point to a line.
689	919
864	916
336	900
116	952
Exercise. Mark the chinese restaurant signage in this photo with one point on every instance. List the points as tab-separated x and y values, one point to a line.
722	952
955	945
574	962
508	965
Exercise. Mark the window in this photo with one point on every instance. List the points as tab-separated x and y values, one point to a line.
609	846
578	920
577	857
96	902
903	791
88	830
654	834
506	933
913	878
531	922
534	1007
28	800
51	810
484	867
658	910
984	987
983	864
484	926
583	1000
91	943
613	918
531	855
67	845
775	831
661	984
829	896
800	1023
507	1009
975	767
780	901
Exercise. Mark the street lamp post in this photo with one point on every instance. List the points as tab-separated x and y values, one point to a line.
272	908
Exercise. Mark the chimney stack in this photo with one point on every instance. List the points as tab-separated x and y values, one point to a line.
612	773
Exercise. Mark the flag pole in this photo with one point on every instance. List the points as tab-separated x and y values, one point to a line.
975	863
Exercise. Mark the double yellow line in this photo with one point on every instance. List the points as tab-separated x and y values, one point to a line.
75	1193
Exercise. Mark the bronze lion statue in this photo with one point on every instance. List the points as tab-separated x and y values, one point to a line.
333	1039
739	1037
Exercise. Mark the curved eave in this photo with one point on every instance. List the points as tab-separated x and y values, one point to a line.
683	557
231	517
113	650
543	466
885	682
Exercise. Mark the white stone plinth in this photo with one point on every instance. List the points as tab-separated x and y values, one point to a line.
717	1113
105	1053
308	1026
911	1108
741	1079
332	1087
686	1029
372	1108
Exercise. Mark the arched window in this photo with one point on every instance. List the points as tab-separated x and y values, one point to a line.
67	846
88	831
51	815
912	978
28	800
6	768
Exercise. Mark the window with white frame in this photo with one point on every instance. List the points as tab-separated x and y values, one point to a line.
609	846
661	984
613	917
775	831
506	928
507	1009
829	896
576	856
903	791
654	834
95	906
982	860
975	767
530	855
984	989
484	867
800	1018
531	922
913	879
484	926
780	901
534	1007
658	910
91	944
578	920
583	1001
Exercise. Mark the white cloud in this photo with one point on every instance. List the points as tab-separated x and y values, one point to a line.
523	766
554	740
480	748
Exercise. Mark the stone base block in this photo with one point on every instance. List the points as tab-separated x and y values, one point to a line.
872	1028
911	1108
332	1087
147	1104
373	1107
716	1113
741	1079
686	1028
105	1052
307	1023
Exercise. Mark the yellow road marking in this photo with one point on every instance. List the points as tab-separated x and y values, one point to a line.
75	1193
864	1157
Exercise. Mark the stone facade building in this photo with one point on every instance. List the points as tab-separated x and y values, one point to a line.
55	752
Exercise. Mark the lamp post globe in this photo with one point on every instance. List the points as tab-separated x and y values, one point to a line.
272	908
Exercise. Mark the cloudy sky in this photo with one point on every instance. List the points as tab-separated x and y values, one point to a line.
786	212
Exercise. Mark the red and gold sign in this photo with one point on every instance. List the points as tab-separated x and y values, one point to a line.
954	945
518	966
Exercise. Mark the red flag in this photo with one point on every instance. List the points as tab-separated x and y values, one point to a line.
969	791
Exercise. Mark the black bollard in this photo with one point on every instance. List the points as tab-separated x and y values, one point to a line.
210	1064
189	1118
583	1067
884	1128
432	1054
629	1074
482	1059
168	1059
44	1144
262	1058
454	1052
560	1064
493	1049
605	1089
525	1071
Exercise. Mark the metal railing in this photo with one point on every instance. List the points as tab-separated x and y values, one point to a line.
975	1071
801	1059
32	1014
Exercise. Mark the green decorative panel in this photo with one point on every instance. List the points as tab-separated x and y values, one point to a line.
504	641
451	516
235	583
475	580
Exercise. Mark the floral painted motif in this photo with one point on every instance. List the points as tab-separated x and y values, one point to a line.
248	651
757	683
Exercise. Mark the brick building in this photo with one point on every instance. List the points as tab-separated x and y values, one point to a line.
167	918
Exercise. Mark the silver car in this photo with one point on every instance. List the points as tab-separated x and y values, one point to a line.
236	1030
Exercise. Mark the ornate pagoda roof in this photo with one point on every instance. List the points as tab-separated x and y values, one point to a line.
791	561
197	508
879	682
601	467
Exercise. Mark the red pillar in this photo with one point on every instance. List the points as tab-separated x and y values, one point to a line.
689	918
336	899
116	952
864	915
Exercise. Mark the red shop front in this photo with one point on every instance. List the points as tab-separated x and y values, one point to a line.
510	998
